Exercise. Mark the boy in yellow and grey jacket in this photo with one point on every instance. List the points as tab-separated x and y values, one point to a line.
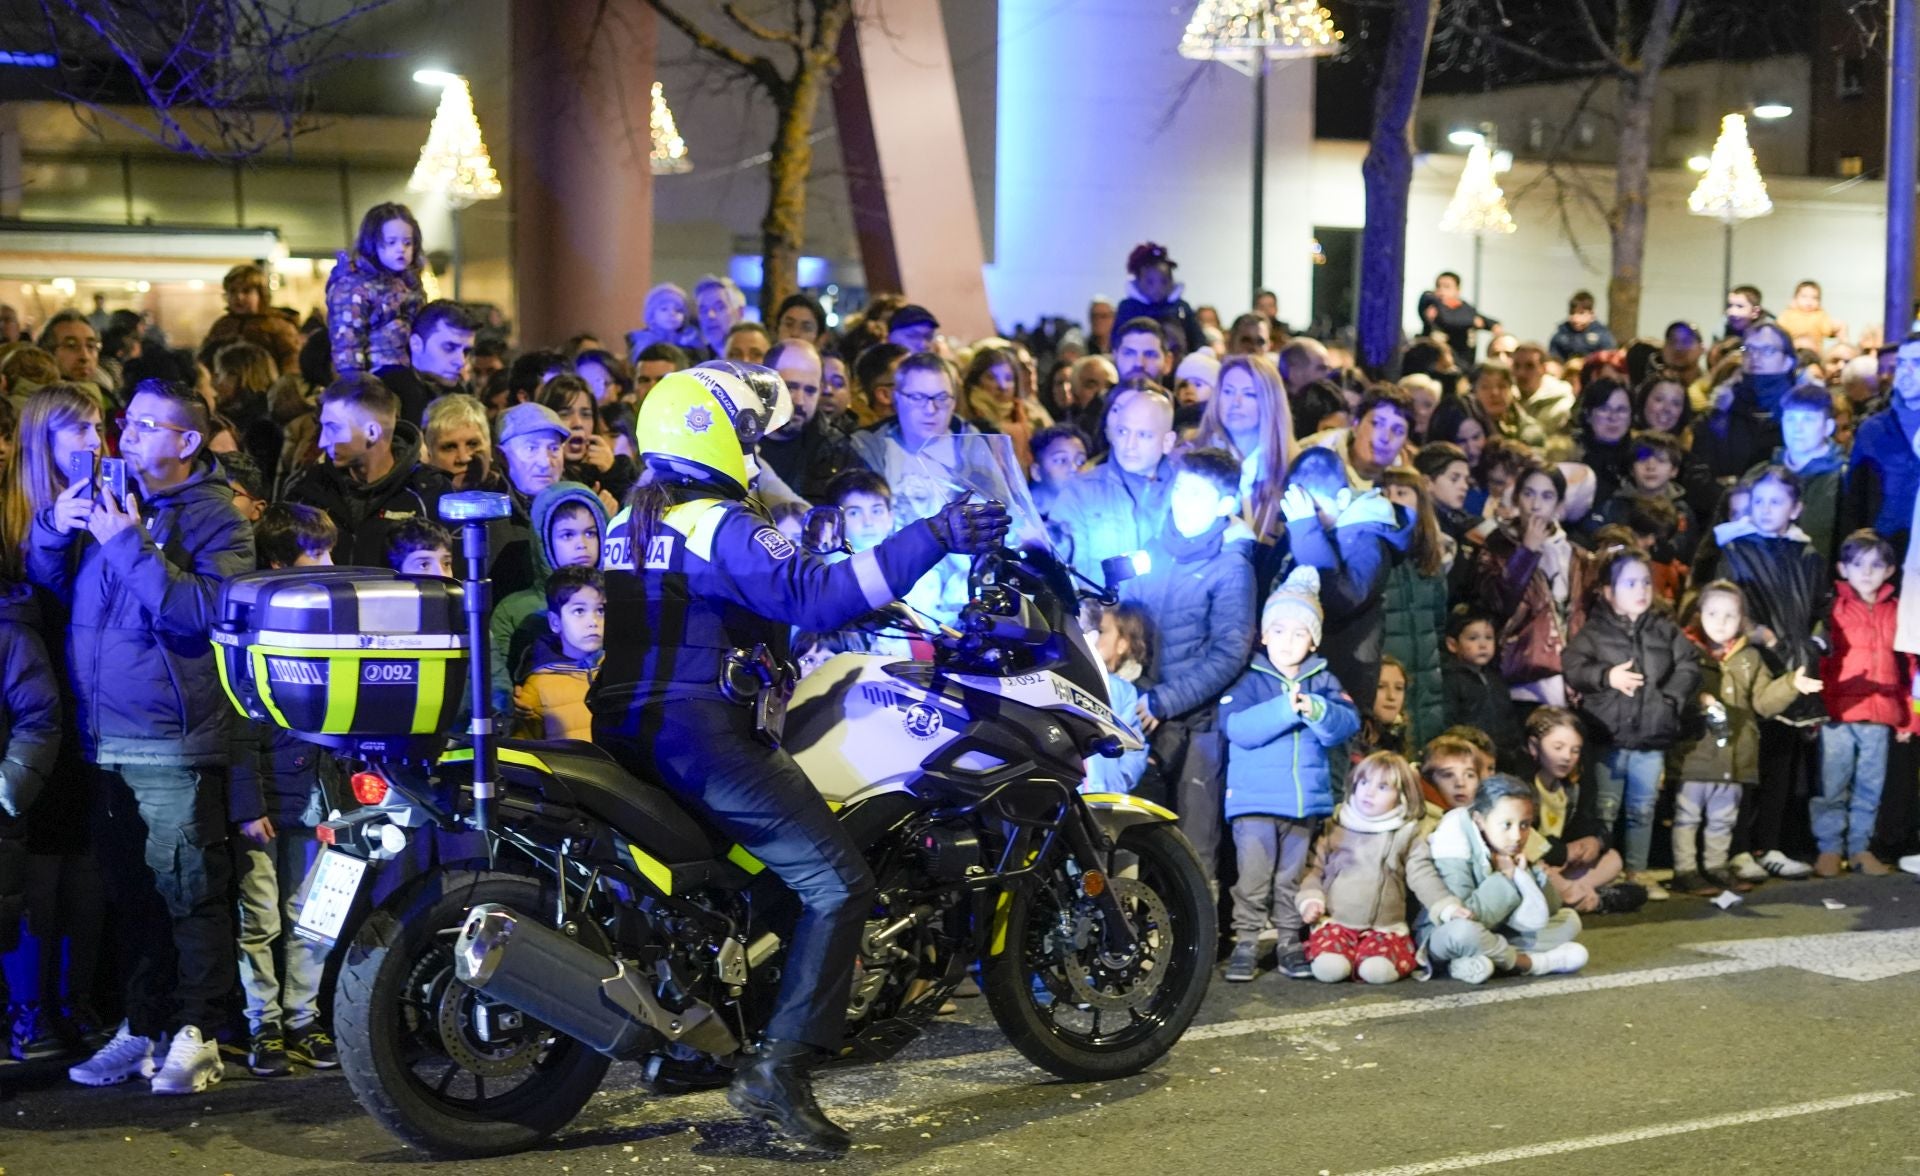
551	702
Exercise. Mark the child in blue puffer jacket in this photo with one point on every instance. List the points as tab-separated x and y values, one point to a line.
1284	719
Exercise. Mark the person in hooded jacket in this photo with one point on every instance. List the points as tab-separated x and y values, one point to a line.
374	292
1637	674
142	578
700	583
374	478
571	523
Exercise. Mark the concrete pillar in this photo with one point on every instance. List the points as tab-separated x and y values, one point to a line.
578	180
920	156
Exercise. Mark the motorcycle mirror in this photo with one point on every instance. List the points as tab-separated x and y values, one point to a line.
825	531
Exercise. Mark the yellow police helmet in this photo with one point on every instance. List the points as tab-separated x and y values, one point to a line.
701	422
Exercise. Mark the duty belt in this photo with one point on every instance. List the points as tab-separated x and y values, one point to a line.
746	672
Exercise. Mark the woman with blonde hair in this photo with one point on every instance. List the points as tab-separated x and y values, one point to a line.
1250	418
56	422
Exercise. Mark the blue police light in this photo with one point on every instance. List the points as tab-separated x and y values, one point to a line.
475	506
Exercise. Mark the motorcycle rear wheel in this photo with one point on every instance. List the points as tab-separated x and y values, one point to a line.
1039	989
399	1009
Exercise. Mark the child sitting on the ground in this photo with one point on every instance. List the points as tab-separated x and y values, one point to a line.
1494	910
1721	755
1867	705
1573	846
551	702
1357	879
276	797
1284	719
1476	695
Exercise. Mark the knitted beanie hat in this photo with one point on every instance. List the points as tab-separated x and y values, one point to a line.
1299	597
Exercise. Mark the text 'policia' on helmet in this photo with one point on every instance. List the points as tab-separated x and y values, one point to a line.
700	423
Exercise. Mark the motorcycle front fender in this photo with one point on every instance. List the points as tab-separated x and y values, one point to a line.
1116	812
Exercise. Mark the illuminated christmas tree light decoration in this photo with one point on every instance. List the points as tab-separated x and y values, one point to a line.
454	162
1730	190
669	156
1240	32
1479	205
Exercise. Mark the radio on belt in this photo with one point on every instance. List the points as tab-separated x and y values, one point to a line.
360	659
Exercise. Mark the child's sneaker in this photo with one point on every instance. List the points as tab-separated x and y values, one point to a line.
1293	963
1473	969
313	1046
1829	865
193	1064
1748	870
126	1056
1244	963
1867	864
1655	891
1568	957
1726	879
40	1033
1695	884
267	1053
1781	866
1910	864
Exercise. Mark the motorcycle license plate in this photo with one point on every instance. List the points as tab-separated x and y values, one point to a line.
327	898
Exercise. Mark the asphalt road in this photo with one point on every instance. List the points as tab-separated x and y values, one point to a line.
1785	1045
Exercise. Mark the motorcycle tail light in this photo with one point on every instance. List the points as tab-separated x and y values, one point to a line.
369	787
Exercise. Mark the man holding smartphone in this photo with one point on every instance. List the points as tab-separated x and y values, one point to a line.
138	555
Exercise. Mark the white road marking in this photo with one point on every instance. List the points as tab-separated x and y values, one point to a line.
1638	1134
1853	955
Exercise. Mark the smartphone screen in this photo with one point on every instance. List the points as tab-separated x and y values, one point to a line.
113	479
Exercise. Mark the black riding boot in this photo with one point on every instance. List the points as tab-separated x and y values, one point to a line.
775	1087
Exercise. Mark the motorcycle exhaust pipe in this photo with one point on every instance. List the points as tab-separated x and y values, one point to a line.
518	960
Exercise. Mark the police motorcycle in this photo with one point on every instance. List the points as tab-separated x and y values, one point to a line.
481	1003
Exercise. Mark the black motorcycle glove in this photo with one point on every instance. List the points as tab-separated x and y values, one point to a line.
971	528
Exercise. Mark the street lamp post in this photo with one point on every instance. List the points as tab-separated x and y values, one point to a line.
1730	190
454	162
1248	36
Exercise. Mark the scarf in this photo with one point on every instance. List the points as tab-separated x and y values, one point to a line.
1355	821
1183	549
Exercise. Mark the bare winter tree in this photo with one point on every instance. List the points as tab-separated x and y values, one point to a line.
793	66
1388	176
1625	45
223	79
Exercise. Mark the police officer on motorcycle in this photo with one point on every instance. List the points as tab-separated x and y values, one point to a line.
702	590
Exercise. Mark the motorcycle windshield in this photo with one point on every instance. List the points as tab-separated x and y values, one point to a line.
981	466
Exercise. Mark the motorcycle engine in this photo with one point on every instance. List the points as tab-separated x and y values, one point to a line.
948	853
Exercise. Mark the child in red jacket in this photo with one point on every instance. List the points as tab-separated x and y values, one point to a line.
1867	691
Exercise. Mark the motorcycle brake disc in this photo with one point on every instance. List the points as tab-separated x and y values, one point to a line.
454	1020
1106	983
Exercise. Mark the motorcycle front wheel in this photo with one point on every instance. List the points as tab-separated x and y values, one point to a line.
1076	1012
426	1056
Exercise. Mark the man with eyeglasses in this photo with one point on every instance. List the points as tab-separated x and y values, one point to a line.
923	403
141	576
1741	427
76	348
807	451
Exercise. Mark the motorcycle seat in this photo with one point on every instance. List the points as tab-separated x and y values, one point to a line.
581	774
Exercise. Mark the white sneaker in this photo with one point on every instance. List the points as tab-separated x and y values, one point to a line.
125	1057
193	1064
1568	957
1910	864
1781	866
1746	869
1473	969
